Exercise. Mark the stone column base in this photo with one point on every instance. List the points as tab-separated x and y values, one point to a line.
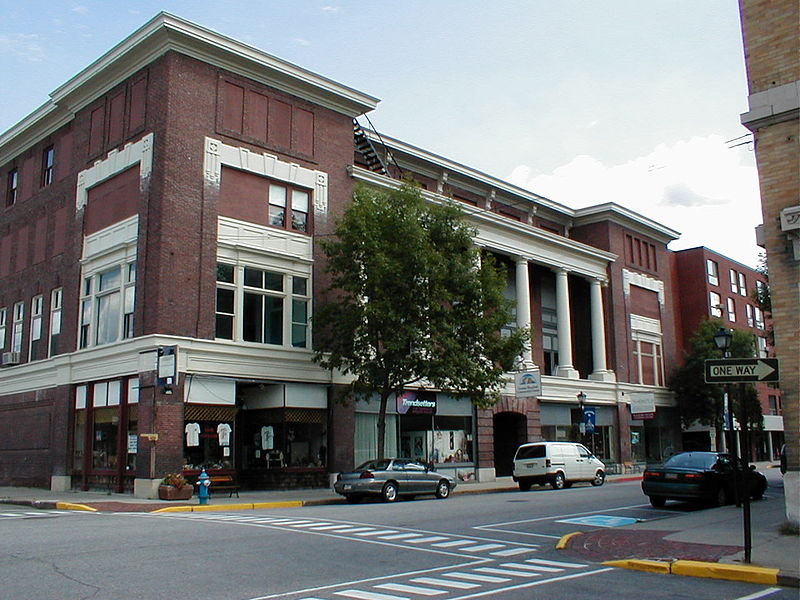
60	483
569	372
486	474
146	488
604	375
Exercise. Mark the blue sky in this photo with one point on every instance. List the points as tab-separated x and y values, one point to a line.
582	102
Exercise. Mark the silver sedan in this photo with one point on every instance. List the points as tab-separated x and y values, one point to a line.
390	478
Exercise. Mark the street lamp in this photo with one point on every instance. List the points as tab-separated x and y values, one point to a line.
723	339
582	405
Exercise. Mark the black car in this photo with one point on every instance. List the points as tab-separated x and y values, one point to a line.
710	477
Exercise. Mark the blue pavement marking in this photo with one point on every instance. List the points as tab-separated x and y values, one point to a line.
600	521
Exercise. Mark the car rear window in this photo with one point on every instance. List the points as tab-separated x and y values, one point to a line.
693	460
531	452
374	465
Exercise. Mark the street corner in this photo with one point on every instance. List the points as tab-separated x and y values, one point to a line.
624	544
708	570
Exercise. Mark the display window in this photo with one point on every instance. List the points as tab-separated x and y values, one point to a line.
279	438
436	439
209	437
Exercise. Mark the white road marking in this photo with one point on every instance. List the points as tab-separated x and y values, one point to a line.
355	529
538	582
532	567
555	563
482	547
368	595
459	585
332	527
761	594
474	577
377	532
512	552
401	536
454	544
410	589
513	573
425	540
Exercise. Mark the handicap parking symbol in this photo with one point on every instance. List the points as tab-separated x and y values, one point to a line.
600	521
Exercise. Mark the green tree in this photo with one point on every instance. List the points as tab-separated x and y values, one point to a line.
703	402
411	301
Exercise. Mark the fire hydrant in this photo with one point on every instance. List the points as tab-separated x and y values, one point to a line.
203	482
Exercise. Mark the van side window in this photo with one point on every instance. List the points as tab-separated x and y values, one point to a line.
583	452
570	451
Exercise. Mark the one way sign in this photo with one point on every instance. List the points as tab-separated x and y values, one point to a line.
731	370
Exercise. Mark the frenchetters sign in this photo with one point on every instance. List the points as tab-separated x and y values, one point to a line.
643	406
416	403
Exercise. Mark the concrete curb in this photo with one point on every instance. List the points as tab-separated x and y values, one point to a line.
73	506
694	568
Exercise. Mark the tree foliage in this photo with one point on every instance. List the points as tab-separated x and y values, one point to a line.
702	402
411	302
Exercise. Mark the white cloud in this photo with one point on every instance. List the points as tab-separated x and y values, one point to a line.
21	44
699	187
331	9
80	9
301	42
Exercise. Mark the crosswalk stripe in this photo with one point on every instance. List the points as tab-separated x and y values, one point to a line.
425	540
458	585
410	589
554	563
355	529
482	547
361	595
494	571
454	544
333	527
540	568
401	536
303	525
377	532
474	577
512	551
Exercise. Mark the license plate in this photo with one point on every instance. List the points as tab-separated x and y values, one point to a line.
530	466
671	476
347	486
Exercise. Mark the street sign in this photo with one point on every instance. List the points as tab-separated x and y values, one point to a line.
741	370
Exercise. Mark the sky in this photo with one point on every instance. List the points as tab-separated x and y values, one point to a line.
583	102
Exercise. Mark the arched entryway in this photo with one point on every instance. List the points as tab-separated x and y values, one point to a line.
509	433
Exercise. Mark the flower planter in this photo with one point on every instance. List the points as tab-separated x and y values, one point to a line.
168	492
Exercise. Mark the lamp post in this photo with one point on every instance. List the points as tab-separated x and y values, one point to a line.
581	404
723	339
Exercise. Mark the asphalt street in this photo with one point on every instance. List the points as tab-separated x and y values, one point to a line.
471	546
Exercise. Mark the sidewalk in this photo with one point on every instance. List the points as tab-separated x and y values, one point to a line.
676	544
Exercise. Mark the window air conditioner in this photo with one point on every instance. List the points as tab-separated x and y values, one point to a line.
10	358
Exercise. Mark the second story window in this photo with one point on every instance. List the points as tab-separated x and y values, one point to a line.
107	306
712	270
749	313
759	317
56	299
2	328
48	161
288	207
16	333
715	304
12	187
742	284
731	310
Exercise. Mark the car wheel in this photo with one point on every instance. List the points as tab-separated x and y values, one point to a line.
558	482
353	498
599	479
524	485
657	501
443	489
758	493
721	497
389	492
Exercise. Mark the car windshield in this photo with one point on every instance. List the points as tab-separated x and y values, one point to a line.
692	460
374	465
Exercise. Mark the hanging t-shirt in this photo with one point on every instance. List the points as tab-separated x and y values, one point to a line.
267	437
192	434
224	433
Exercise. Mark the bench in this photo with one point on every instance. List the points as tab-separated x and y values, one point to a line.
224	483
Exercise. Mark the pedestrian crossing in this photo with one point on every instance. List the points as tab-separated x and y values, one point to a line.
39	514
400	536
478	580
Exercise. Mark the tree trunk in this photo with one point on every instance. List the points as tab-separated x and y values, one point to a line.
382	424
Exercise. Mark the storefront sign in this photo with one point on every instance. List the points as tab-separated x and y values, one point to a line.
643	406
133	443
416	403
528	384
167	365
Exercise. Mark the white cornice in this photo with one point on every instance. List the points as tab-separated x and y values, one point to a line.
161	34
611	211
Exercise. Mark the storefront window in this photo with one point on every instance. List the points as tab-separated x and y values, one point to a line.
207	444
436	439
285	437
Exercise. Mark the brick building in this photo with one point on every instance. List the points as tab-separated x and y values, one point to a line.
770	29
711	285
159	266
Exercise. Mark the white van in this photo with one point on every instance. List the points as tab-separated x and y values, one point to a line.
558	463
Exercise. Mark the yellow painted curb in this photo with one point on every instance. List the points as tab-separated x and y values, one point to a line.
730	572
562	543
650	566
224	507
71	506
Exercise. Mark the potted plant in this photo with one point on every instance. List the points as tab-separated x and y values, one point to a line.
174	487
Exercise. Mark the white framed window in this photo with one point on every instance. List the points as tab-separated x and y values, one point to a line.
748	309
734	282
16	332
761	347
37	305
262	306
288	207
107	303
649	362
715	304
742	284
759	317
731	310
3	317
712	271
56	301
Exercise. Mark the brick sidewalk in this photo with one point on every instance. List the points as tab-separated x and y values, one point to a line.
618	544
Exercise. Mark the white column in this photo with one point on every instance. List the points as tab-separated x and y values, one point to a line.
565	368
600	372
524	306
